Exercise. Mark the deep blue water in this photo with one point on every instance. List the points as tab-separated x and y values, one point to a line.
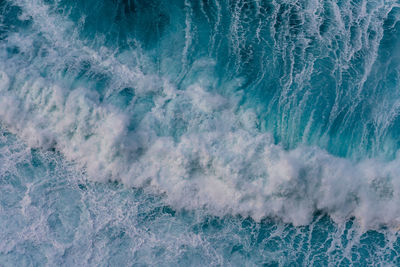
210	132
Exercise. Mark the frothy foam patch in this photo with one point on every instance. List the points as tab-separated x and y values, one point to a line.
199	148
219	162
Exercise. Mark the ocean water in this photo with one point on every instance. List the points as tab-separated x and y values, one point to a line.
192	133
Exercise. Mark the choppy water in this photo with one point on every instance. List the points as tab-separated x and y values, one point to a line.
199	132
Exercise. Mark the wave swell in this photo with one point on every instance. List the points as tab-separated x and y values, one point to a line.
204	139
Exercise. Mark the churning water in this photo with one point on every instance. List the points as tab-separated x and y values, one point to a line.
209	132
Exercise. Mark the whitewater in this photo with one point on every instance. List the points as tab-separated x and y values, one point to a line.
199	132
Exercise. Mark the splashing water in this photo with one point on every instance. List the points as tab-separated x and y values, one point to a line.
221	132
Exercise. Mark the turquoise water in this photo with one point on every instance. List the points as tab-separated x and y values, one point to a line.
199	133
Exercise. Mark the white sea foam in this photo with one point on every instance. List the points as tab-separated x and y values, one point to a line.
197	147
222	162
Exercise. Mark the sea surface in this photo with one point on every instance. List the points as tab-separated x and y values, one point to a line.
199	133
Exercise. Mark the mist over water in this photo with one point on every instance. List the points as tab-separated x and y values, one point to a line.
199	132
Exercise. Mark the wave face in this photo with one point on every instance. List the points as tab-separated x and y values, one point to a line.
261	132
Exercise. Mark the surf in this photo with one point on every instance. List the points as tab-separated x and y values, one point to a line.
206	140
